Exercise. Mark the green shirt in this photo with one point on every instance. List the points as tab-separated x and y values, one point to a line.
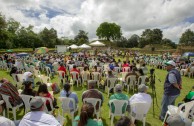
90	122
119	96
190	95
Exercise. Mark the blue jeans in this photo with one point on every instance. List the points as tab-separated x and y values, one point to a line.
167	100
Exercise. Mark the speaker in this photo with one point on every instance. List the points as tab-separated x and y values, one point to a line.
153	49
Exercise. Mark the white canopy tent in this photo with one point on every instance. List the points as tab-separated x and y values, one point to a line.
73	46
97	43
84	46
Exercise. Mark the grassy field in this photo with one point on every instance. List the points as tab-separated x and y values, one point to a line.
150	120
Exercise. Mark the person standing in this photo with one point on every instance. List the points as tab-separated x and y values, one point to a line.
172	87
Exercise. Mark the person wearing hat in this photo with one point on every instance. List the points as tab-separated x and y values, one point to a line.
92	92
172	87
37	117
177	120
119	96
141	96
4	121
28	76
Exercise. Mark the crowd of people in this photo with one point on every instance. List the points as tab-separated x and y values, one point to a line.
96	72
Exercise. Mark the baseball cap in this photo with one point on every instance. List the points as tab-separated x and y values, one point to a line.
1	102
171	62
142	88
36	103
177	120
118	88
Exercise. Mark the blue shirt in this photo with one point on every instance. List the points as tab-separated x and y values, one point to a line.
72	95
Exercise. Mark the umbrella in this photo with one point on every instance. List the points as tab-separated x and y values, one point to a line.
188	54
42	50
97	43
73	46
84	46
22	54
9	50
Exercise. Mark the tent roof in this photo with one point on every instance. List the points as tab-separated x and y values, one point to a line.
84	46
73	46
97	43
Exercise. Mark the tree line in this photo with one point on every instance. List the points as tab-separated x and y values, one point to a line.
13	35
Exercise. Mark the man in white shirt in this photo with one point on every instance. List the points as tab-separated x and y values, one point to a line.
4	121
141	96
37	117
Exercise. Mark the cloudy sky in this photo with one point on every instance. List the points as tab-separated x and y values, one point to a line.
173	17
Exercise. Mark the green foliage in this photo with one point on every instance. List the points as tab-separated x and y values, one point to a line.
168	42
81	38
150	37
109	31
133	41
187	37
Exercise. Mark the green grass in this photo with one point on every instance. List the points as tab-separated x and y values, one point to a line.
150	120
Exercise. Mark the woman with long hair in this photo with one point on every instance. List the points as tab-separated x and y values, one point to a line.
86	117
67	93
43	92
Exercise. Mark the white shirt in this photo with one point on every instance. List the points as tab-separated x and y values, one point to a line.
140	97
6	122
26	75
38	118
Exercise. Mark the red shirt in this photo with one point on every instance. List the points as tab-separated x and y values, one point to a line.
62	68
75	70
48	95
125	65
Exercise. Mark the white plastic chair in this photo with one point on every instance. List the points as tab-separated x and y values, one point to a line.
9	106
178	110
139	111
126	69
118	104
61	76
111	84
18	79
26	99
85	77
141	80
94	102
116	70
96	76
46	80
75	77
191	72
80	69
65	106
123	75
130	82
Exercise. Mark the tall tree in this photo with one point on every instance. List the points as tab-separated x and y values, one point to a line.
81	38
109	31
122	42
3	32
187	37
48	37
133	41
168	42
151	37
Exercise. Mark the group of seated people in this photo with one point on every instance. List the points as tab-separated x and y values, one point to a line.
87	110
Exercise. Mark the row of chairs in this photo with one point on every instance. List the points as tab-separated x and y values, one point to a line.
138	110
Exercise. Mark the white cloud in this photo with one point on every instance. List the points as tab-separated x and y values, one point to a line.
70	16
